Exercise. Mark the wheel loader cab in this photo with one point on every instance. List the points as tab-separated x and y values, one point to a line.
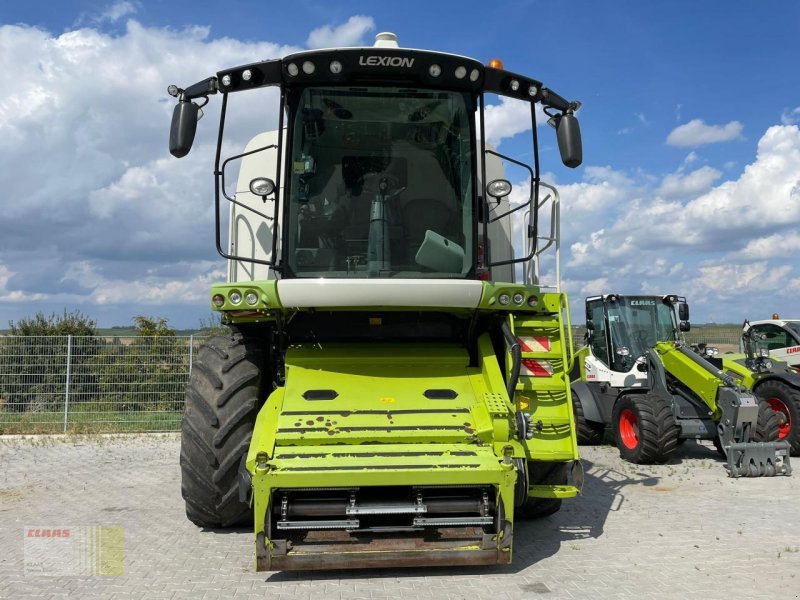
625	327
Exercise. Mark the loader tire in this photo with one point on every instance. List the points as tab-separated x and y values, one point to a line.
540	473
784	400
645	430
589	433
222	400
768	426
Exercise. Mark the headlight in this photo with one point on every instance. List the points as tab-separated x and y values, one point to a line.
251	298
623	351
503	299
518	298
235	297
218	300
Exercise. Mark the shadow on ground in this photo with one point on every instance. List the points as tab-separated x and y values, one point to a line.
534	540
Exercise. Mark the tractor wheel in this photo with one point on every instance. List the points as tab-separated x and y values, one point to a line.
785	401
644	428
768	426
540	473
222	400
589	432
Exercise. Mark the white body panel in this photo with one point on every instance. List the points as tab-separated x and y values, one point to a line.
321	292
597	372
250	234
500	232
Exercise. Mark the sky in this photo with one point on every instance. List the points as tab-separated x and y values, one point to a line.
690	122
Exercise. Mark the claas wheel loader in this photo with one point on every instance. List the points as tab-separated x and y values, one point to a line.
389	393
637	375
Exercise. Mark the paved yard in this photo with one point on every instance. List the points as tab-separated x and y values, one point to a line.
682	530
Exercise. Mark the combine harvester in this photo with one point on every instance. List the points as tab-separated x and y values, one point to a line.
638	376
388	395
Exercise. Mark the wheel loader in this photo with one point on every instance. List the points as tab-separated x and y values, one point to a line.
637	375
389	394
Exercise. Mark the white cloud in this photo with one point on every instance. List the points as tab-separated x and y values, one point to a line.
697	133
118	10
791	116
508	118
350	33
776	245
681	185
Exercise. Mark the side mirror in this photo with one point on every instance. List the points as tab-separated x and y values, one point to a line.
685	326
568	132
589	325
184	126
683	311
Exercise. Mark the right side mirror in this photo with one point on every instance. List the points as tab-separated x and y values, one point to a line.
589	325
685	326
568	133
184	126
683	311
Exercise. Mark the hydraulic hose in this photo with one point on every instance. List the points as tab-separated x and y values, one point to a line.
516	359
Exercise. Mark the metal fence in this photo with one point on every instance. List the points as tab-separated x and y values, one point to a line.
96	384
93	384
724	337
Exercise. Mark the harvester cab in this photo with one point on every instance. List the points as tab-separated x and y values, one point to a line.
638	375
391	393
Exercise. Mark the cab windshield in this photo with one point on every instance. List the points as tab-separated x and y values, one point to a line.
380	184
637	323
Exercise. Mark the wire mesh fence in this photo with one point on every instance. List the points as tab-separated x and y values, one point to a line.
132	384
724	337
93	384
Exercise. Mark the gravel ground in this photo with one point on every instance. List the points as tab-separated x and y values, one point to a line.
682	530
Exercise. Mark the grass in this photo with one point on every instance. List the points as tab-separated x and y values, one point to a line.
82	420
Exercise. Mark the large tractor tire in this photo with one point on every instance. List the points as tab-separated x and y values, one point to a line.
784	400
589	432
645	430
768	426
222	400
543	473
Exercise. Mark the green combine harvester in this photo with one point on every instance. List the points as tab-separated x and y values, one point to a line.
388	394
637	375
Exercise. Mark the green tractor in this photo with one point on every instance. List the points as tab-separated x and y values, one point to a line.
637	375
388	394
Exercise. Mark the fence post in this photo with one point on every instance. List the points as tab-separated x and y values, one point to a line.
191	351
66	387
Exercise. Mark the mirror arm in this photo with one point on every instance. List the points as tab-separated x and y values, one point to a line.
553	100
201	89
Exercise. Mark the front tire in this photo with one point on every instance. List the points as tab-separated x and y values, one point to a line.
589	433
784	400
543	473
768	426
644	428
222	401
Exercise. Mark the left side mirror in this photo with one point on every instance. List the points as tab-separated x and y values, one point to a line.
684	326
184	126
568	132
683	311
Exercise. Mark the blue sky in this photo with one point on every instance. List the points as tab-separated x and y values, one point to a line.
690	183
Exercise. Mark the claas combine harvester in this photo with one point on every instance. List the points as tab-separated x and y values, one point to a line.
389	394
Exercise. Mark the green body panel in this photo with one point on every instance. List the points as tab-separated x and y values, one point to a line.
376	427
703	384
734	365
